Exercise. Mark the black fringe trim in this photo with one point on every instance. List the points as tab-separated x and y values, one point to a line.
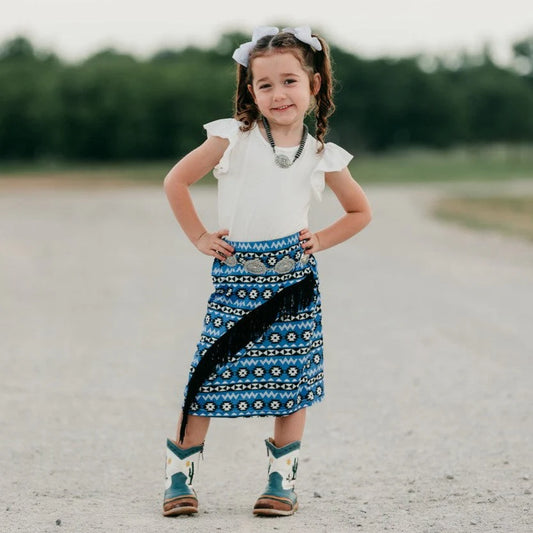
288	301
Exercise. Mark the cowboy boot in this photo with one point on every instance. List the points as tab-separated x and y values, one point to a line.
180	497
279	498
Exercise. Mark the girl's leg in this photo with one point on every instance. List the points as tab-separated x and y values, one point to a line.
195	431
289	428
279	498
182	461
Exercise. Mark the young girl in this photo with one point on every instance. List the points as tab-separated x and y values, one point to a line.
260	351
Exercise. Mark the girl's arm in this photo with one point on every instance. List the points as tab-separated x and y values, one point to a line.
187	171
358	213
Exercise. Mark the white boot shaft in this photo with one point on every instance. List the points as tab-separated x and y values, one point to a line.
284	461
187	464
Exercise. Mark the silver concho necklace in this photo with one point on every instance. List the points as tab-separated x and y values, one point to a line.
281	159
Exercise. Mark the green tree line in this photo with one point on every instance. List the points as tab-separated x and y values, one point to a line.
114	106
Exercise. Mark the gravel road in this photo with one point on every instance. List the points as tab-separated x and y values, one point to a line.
427	424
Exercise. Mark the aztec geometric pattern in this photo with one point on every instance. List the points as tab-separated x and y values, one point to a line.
278	370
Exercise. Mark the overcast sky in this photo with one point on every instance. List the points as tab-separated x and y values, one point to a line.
77	28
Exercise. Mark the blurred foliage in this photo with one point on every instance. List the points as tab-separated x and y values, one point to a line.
114	106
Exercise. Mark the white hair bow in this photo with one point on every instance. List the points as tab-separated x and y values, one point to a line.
242	53
302	33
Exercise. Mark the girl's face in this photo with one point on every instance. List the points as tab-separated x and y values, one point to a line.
282	89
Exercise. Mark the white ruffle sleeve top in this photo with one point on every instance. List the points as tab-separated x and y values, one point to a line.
257	200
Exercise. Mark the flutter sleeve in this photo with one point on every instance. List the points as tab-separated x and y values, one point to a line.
333	158
227	128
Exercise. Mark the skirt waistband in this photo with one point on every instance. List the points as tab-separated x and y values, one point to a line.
272	245
281	255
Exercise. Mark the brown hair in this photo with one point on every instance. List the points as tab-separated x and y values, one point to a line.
312	62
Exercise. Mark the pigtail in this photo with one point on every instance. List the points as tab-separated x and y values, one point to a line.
245	109
324	98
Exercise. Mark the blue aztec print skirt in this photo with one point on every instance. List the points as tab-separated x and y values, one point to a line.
261	348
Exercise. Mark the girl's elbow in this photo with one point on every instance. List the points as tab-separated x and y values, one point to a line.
167	181
364	217
368	216
170	182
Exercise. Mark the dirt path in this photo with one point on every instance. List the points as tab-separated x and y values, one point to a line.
427	423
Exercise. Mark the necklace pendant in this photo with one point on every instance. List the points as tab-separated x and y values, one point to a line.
282	161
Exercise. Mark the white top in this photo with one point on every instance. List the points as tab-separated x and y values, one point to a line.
257	200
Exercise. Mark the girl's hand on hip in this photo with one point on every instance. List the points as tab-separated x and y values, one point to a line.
213	244
309	241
